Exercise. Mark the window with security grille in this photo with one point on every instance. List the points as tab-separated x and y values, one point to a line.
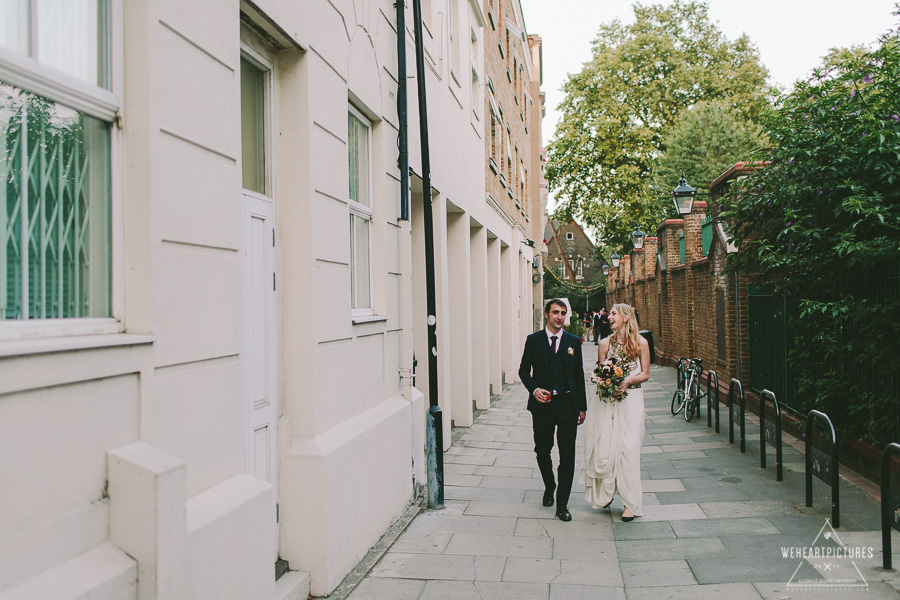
55	180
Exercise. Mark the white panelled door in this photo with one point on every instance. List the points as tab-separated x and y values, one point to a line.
260	341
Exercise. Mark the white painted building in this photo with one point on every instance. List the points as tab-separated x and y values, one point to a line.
209	306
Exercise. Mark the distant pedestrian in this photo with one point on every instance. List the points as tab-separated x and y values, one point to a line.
586	322
597	328
605	328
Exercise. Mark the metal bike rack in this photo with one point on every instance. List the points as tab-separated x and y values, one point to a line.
890	504
770	433
824	466
735	390
682	371
712	383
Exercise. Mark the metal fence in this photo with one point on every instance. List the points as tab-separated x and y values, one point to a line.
771	341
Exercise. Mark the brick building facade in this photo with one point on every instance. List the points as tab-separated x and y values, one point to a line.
571	254
512	168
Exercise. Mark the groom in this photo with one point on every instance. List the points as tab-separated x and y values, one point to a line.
553	372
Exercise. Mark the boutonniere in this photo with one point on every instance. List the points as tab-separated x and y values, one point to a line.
571	351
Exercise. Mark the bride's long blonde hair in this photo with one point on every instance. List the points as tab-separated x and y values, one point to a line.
632	346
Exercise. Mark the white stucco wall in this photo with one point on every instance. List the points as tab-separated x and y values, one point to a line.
130	447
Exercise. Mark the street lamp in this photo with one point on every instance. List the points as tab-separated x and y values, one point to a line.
605	269
683	197
615	260
637	238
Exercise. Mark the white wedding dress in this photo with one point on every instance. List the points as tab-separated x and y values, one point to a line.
614	434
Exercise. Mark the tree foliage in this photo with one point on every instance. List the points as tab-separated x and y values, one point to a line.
823	221
621	106
708	138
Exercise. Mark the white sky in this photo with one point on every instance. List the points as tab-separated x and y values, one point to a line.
791	35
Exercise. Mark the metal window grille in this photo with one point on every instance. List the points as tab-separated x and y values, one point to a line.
54	210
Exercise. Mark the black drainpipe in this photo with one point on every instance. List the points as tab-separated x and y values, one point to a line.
434	433
403	141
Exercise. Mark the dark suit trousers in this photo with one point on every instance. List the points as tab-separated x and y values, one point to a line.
558	416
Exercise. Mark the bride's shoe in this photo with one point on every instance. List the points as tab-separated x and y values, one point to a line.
627	515
608	504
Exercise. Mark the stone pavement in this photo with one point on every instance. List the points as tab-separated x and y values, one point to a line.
715	525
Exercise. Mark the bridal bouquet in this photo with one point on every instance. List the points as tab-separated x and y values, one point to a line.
608	376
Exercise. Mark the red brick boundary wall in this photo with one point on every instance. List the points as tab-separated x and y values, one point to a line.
691	307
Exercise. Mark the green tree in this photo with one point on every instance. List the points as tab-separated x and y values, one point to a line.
621	106
823	222
708	138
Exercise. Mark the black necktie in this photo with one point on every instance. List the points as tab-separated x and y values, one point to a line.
553	343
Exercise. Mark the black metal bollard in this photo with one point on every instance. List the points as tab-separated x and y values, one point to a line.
735	391
764	434
712	383
825	467
888	506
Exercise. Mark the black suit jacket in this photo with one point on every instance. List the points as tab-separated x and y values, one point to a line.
534	369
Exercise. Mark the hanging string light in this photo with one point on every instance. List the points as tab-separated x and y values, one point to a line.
573	286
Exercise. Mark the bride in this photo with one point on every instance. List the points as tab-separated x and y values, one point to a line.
615	429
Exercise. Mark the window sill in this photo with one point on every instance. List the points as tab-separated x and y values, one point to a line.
29	347
360	319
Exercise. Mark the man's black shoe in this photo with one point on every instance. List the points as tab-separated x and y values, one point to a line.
548	497
563	514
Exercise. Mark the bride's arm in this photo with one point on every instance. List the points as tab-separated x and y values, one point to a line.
644	373
602	349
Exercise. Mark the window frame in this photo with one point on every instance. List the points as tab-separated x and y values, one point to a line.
28	74
268	67
357	209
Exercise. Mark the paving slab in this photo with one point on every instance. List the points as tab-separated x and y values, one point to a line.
643	530
421	542
504	471
462	524
578	572
584	549
512	591
759	508
450	590
507	509
439	566
553	528
875	590
673	512
521	483
479	544
388	588
454	492
703	528
565	591
663	485
463	459
669	549
656	574
731	591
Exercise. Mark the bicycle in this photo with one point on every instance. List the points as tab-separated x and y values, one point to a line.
688	395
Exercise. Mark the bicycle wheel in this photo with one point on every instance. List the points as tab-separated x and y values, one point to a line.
693	401
677	401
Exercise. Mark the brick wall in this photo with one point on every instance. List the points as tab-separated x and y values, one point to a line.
677	301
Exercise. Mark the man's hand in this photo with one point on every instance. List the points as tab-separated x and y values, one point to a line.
541	395
581	417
